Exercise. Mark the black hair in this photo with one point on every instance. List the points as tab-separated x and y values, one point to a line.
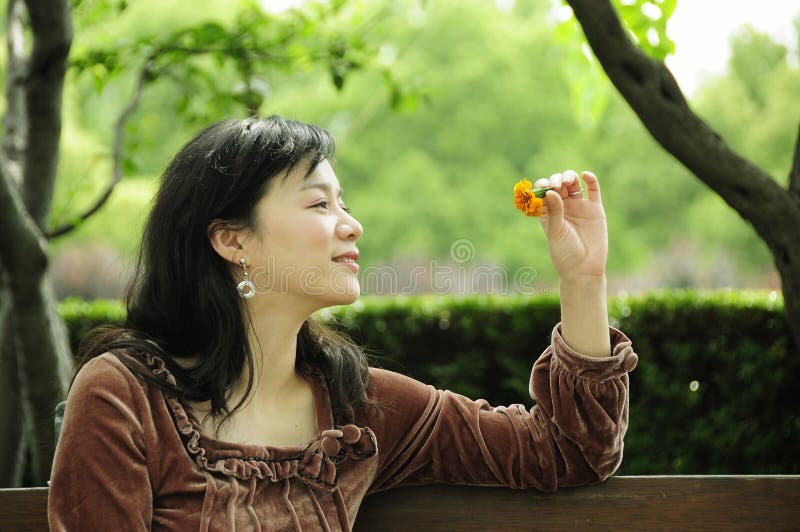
182	300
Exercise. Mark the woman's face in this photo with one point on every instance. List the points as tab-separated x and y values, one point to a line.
302	226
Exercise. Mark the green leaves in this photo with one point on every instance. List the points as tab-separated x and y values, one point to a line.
93	10
101	65
647	21
343	57
229	61
403	96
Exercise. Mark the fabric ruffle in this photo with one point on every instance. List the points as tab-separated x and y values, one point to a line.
622	359
316	465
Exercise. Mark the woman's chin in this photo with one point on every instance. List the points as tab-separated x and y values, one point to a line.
343	294
349	297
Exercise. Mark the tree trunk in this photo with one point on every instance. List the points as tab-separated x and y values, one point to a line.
651	91
42	359
34	347
787	263
12	450
37	364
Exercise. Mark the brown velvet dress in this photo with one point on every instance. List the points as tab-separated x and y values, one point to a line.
130	458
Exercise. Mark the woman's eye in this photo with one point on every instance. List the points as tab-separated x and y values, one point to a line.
324	205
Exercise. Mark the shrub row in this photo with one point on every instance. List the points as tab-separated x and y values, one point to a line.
712	393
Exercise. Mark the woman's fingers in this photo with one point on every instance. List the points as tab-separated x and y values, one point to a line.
568	184
555	180
573	184
565	184
592	186
553	217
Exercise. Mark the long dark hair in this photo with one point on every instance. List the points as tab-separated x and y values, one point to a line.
182	299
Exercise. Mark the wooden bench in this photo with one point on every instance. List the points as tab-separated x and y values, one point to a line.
758	502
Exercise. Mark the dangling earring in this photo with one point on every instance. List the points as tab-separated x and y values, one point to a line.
246	288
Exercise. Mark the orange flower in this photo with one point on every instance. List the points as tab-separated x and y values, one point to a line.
529	200
535	207
523	192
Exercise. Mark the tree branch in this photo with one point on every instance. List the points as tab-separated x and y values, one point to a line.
119	133
794	174
651	91
15	124
22	245
52	36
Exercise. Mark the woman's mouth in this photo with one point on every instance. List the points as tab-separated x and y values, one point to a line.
349	262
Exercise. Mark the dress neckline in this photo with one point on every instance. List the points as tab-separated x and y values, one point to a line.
316	462
323	415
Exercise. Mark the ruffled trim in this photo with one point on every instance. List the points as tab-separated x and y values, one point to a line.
316	465
622	360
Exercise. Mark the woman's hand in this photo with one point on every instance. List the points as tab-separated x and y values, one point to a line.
575	226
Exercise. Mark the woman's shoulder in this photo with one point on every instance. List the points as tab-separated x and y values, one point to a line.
105	375
391	387
103	368
381	378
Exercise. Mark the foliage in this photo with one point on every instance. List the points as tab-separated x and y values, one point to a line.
647	21
247	47
483	97
704	400
80	316
712	400
761	86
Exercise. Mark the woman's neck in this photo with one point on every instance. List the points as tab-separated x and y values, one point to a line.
273	343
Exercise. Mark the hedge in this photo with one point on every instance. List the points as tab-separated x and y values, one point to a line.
712	393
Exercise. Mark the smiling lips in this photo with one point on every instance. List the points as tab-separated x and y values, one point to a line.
348	259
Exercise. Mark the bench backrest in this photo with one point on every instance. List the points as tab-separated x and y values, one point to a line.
632	503
23	509
674	502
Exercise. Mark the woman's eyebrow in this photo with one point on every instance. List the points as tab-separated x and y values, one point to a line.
323	186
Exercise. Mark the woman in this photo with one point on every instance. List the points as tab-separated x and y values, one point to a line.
223	405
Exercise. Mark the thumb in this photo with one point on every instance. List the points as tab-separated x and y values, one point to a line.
555	209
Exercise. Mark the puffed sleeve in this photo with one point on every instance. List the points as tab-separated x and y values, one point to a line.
100	478
573	436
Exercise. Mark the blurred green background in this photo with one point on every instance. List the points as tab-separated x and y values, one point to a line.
461	100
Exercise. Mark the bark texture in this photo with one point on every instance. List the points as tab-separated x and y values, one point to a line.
33	343
651	91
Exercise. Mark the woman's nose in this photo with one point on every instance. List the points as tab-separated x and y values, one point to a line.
350	227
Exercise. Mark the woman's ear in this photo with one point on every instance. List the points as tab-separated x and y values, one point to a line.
226	240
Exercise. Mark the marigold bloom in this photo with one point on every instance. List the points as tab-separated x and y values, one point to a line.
523	192
529	200
535	207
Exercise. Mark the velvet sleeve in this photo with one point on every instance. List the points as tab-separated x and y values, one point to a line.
573	436
100	479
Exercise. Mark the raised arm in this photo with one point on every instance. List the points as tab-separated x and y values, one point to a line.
577	238
574	435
